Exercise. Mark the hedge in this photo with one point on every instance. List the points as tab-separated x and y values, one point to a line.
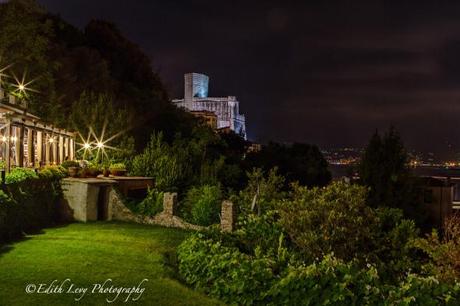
236	278
224	272
29	201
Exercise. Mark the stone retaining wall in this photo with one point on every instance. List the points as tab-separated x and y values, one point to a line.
83	198
165	218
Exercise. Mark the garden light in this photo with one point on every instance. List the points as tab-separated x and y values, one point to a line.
86	146
100	145
22	87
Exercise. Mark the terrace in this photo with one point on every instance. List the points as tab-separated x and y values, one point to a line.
26	141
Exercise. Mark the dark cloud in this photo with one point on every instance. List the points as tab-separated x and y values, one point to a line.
325	72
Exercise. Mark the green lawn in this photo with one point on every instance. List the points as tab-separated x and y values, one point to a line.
92	253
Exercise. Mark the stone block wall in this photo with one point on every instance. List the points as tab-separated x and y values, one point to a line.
167	217
82	199
228	216
170	203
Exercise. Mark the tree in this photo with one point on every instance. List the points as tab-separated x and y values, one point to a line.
94	116
299	162
444	250
25	36
262	192
167	164
384	169
64	62
336	219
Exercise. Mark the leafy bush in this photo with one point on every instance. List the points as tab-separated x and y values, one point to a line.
29	202
152	204
167	164
209	171
70	163
263	192
53	172
20	174
444	252
202	205
337	220
419	290
323	247
118	167
392	250
224	272
320	221
9	214
259	232
327	282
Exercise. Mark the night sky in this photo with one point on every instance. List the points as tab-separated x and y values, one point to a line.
321	73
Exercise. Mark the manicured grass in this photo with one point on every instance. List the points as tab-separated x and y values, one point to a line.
92	253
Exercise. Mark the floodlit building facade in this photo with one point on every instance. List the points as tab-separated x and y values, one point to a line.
196	99
210	118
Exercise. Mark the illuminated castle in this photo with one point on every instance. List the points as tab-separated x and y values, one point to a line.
227	109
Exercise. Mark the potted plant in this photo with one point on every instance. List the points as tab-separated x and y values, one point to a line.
118	169
106	169
93	170
72	167
83	171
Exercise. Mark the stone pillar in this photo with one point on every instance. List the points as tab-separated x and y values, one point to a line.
8	146
47	149
71	149
4	140
39	146
61	149
170	203
30	147
20	146
228	216
2	93
66	147
55	150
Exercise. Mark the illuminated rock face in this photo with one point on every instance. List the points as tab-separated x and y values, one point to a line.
196	98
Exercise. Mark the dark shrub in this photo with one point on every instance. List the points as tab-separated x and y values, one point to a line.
224	272
202	205
28	202
17	175
151	205
70	163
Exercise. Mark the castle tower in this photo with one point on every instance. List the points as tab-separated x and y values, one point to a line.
225	109
195	86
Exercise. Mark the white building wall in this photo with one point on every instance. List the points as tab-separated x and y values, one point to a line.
227	109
